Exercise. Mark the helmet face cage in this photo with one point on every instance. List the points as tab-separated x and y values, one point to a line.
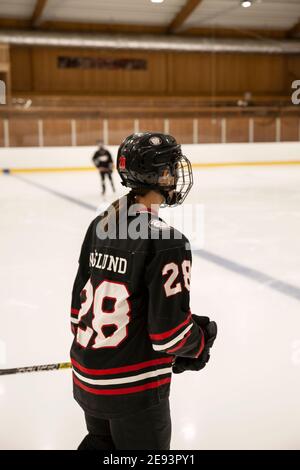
163	169
183	182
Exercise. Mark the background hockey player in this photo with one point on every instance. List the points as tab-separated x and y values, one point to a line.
130	310
102	160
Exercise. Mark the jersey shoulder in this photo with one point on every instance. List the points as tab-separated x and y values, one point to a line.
143	232
165	237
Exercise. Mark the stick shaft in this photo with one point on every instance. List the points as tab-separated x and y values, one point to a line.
40	368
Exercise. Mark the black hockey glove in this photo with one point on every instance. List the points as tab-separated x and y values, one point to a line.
209	329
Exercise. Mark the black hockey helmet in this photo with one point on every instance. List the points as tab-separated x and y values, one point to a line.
151	160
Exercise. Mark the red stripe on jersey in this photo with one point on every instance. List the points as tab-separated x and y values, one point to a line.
182	342
74	311
121	391
202	344
166	334
117	370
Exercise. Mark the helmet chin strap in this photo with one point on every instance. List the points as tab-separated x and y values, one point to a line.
164	196
169	200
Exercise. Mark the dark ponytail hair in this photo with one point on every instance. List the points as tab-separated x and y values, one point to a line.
119	205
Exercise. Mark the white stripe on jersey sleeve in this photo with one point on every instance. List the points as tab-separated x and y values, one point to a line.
159	347
75	321
124	380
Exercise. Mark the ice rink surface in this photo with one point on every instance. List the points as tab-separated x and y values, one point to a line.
246	277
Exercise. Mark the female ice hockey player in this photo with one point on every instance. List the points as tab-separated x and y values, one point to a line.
102	160
130	309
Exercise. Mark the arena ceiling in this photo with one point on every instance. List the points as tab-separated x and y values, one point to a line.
275	18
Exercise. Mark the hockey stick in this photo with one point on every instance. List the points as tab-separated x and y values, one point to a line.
42	368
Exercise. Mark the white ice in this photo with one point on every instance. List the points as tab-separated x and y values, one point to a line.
248	395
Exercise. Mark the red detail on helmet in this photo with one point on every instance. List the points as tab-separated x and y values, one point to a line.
122	163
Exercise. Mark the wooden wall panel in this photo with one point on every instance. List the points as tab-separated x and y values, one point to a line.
57	132
1	133
182	130
257	73
237	129
49	78
89	131
119	129
155	125
5	77
290	127
5	74
4	54
21	69
292	72
35	69
264	129
226	74
190	74
23	132
209	130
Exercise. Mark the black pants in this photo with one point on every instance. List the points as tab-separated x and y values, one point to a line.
102	175
145	430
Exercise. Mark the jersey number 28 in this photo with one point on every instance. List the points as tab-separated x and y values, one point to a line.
117	317
171	286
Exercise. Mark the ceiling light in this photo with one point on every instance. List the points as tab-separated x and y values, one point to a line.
157	1
246	3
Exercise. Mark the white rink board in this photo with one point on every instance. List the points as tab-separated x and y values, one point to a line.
72	157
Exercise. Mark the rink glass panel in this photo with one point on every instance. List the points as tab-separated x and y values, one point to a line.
57	132
88	131
23	132
265	129
182	129
209	130
237	129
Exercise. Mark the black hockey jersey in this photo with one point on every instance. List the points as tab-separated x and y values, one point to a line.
103	160
130	316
